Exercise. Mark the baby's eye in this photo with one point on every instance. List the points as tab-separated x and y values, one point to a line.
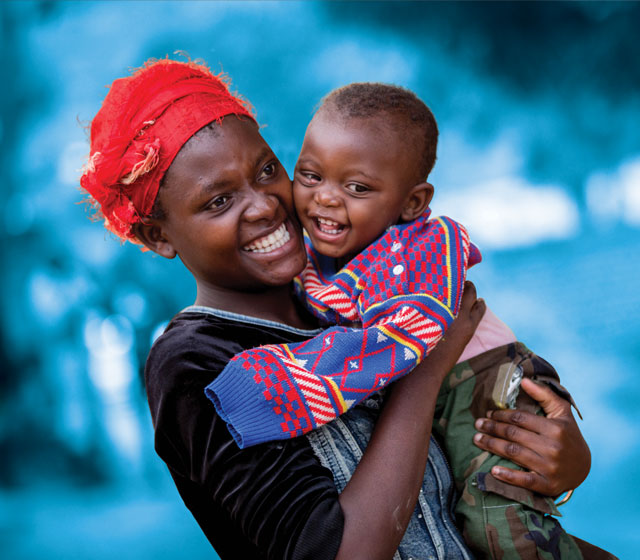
309	177
357	188
268	171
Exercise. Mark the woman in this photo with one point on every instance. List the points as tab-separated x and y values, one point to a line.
178	164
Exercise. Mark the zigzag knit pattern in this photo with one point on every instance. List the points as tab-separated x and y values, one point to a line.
404	289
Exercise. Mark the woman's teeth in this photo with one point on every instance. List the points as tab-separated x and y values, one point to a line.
270	242
329	226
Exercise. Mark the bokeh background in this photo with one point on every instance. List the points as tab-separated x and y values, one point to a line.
539	111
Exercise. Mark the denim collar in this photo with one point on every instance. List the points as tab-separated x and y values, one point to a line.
247	319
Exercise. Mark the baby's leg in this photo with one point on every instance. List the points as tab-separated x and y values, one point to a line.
498	520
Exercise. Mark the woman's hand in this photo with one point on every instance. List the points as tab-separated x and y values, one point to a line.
551	448
446	353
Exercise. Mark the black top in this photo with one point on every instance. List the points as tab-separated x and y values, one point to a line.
272	500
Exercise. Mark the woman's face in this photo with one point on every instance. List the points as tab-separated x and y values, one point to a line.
229	210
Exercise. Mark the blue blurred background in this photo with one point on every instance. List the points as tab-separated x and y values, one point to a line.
538	107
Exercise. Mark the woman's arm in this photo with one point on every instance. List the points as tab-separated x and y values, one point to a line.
380	497
551	449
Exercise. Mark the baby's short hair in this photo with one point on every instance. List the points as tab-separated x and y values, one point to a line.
409	114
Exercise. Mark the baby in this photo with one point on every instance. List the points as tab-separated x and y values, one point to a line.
391	278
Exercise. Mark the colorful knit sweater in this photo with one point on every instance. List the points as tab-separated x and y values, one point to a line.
404	289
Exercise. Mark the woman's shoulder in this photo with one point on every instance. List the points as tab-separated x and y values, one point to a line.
193	348
199	341
191	331
188	330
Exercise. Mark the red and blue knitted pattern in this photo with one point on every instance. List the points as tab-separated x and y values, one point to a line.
405	289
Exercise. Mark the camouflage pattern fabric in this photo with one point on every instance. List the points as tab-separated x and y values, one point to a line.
498	520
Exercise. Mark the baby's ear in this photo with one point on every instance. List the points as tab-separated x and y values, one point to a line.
417	201
151	235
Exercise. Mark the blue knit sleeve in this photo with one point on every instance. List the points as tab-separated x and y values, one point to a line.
405	298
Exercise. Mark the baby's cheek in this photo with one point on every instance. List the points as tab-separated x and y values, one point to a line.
300	198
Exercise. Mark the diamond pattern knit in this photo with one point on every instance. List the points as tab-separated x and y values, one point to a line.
404	289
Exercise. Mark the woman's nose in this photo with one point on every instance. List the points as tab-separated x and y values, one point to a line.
326	195
263	206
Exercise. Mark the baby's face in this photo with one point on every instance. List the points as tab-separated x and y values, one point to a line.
351	182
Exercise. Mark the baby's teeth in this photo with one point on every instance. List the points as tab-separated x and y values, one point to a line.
329	226
326	222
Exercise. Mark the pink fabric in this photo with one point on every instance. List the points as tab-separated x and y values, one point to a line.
491	333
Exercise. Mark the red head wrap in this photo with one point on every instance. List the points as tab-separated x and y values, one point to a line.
144	121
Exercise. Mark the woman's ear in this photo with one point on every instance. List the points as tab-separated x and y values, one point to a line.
151	235
417	201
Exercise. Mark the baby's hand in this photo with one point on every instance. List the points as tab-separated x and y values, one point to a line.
551	448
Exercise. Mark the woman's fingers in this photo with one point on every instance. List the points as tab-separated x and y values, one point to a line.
472	308
522	452
552	447
554	406
471	311
477	311
446	353
538	433
469	294
534	477
526	421
517	427
525	479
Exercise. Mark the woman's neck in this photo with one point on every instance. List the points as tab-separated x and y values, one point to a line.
274	304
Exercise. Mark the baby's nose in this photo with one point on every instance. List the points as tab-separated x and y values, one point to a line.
327	196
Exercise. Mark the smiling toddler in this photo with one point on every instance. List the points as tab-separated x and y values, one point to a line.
391	278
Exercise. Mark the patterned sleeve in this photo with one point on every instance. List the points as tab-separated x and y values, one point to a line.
405	289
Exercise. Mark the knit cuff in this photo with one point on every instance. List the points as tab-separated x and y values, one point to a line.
240	403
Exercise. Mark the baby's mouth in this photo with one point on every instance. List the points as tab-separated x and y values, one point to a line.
328	226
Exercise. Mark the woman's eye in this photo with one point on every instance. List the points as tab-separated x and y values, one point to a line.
268	171
357	188
219	201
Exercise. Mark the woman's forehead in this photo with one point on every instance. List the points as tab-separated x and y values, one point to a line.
233	145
